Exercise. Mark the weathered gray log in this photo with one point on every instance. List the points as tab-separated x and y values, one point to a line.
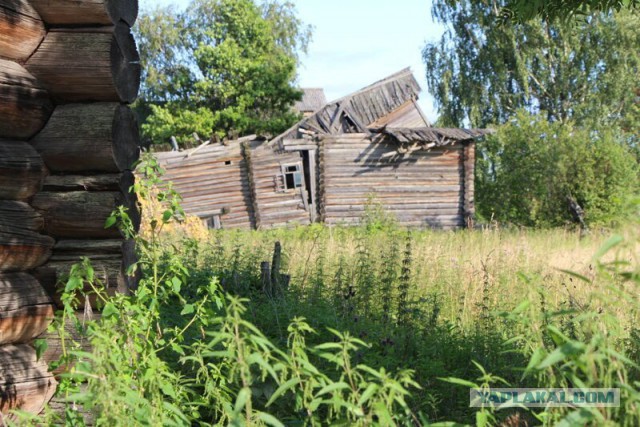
110	260
24	103
87	12
26	310
25	382
82	214
21	29
20	215
108	182
21	246
101	137
21	170
89	64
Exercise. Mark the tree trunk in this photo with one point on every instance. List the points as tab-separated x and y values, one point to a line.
88	64
25	382
21	170
100	137
26	310
24	103
86	12
82	214
21	29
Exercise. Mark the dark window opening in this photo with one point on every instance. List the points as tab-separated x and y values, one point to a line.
307	175
228	162
292	177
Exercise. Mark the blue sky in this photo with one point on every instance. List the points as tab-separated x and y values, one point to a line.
356	42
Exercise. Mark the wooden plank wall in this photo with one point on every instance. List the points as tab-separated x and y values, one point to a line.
423	189
207	183
275	207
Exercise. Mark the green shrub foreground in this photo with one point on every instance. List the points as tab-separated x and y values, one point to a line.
379	326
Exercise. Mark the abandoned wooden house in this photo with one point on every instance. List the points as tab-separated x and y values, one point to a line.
375	144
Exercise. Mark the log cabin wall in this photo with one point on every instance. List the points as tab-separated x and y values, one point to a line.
425	188
277	202
67	144
213	182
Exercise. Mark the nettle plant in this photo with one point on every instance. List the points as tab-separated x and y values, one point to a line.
178	351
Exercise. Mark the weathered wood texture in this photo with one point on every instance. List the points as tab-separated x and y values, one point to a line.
87	12
107	182
26	310
24	103
421	189
21	246
355	112
21	29
90	64
21	170
276	206
82	214
100	137
110	260
213	179
25	382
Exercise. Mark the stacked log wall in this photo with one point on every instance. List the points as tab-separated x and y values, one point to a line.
213	181
276	206
68	142
422	189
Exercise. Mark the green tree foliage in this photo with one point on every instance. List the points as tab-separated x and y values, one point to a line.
531	166
485	68
221	66
579	82
564	9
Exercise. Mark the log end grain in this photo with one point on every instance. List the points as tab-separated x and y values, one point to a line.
125	64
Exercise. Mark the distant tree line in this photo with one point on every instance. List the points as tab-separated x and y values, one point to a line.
563	95
220	66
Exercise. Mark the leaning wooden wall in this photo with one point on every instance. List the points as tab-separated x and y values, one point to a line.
212	181
421	189
274	205
67	144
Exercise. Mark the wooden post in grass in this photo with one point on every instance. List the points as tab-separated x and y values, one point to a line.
275	269
265	274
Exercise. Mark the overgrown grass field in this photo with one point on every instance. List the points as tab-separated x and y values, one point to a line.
434	302
376	325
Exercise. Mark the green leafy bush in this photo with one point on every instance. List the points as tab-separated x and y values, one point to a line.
530	169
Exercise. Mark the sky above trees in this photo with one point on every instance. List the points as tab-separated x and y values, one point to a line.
356	42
